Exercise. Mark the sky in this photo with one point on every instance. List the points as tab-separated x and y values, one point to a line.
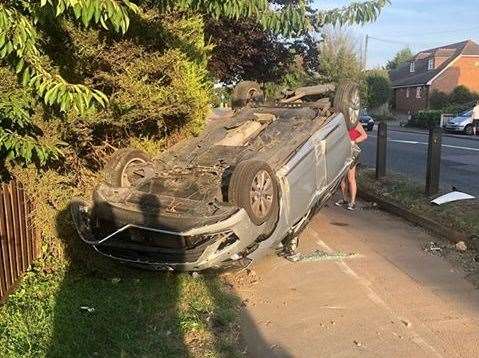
418	24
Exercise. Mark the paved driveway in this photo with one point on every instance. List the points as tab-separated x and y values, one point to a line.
394	300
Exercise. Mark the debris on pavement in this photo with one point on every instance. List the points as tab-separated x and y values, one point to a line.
358	343
319	255
87	309
294	257
461	246
406	323
460	255
432	247
370	206
452	196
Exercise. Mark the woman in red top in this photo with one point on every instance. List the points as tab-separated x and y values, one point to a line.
348	185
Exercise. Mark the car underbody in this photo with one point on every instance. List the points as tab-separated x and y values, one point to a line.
177	211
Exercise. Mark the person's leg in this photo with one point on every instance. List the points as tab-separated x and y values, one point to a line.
344	192
353	189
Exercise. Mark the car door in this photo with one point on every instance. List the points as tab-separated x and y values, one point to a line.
302	176
338	148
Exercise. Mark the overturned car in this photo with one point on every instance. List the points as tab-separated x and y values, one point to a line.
252	179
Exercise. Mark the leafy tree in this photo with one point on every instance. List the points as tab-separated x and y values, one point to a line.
438	99
462	95
243	50
401	57
338	57
21	23
73	55
379	88
19	135
459	100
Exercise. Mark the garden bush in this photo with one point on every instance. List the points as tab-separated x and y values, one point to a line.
426	119
156	79
459	100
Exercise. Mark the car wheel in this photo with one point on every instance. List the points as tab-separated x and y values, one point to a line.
253	187
246	92
469	130
122	168
348	101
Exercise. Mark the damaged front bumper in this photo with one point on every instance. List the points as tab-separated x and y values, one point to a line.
149	238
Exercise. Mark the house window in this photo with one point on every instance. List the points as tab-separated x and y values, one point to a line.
418	92
430	64
412	67
407	92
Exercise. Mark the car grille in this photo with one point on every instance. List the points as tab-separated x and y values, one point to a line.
137	244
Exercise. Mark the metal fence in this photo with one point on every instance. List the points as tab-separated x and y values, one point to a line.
19	241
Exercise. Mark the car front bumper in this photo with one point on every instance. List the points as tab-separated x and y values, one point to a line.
454	128
210	246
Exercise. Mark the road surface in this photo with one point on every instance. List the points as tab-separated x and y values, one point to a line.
407	155
393	300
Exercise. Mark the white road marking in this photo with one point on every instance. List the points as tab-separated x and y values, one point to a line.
424	143
457	147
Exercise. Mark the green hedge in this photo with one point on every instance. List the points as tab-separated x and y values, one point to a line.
426	119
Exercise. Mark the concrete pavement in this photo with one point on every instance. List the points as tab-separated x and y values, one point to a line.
393	300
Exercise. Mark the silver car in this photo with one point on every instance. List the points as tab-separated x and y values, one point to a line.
252	179
462	123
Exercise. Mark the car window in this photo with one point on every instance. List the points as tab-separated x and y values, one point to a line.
466	114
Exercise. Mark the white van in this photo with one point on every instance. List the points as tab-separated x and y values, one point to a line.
461	123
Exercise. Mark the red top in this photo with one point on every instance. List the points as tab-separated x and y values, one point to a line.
354	134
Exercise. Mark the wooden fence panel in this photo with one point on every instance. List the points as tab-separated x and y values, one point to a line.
19	241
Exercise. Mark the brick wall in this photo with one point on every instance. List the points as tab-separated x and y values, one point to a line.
412	104
464	71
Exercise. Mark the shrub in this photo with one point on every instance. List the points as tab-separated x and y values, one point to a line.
379	88
456	109
439	100
459	100
462	95
426	119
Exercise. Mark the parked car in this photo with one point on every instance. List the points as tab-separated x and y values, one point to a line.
252	179
462	123
367	122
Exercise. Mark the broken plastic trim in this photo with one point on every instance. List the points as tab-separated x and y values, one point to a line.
452	196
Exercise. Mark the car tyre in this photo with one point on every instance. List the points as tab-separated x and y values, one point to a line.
469	130
116	170
348	102
246	92
253	186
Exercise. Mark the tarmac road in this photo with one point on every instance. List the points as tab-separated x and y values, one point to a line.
407	155
393	300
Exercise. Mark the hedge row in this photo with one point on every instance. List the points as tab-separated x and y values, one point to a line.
426	119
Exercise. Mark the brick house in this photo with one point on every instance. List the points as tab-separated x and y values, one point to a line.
442	68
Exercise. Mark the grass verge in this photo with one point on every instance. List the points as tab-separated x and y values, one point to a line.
122	312
462	215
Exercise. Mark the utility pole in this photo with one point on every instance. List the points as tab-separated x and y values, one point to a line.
365	58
